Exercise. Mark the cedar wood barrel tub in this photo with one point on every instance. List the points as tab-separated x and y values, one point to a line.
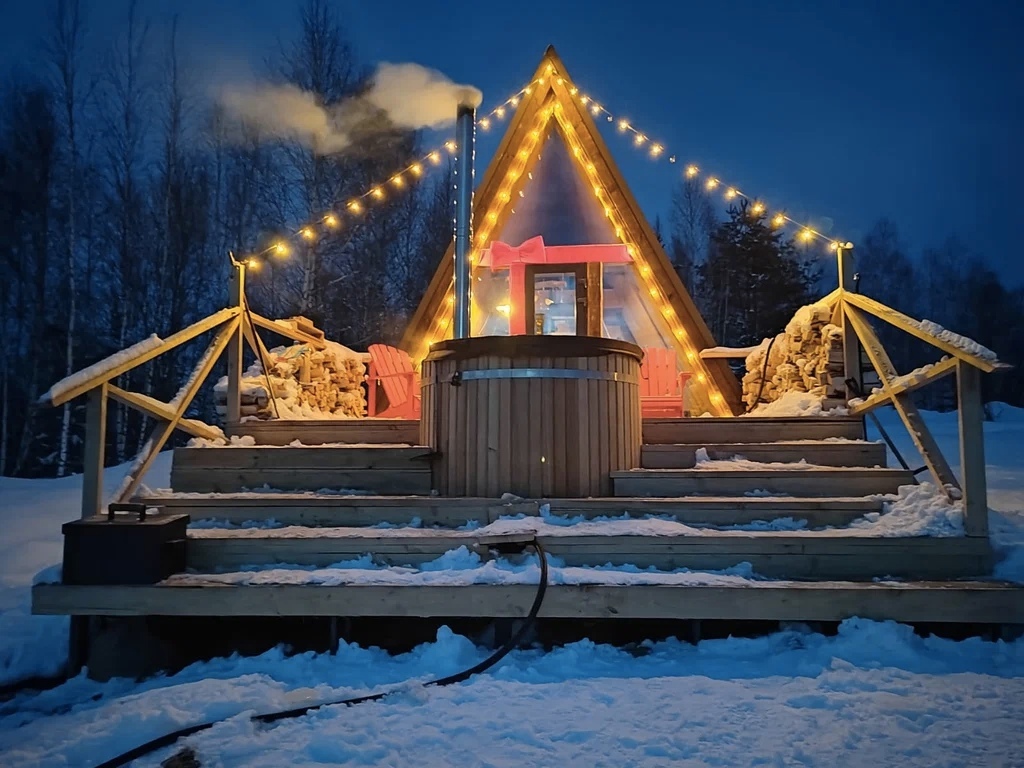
536	416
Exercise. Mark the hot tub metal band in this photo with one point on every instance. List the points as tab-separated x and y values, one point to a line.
541	373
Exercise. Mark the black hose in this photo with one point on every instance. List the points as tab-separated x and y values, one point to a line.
169	739
764	372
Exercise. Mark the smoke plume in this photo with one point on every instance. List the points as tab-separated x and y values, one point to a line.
409	95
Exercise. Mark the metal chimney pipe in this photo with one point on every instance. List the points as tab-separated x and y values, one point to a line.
465	130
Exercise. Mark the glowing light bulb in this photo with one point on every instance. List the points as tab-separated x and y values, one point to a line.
645	271
416	169
631	251
281	248
573	91
307	233
492	217
778	219
691	171
450	145
331	220
377	193
500	112
253	264
356	207
640	139
654	293
806	234
443	323
711	183
834	245
527	90
505	196
656	149
596	109
514	101
535	134
584	99
450	300
590	168
730	193
702	378
757	208
485	123
504	309
434	157
623	125
523	154
398	181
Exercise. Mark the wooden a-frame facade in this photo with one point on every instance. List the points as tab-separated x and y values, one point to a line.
553	106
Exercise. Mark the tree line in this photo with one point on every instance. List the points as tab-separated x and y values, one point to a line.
123	188
748	278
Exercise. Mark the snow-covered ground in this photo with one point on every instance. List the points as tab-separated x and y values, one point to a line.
873	695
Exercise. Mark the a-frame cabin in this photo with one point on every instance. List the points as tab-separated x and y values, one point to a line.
553	177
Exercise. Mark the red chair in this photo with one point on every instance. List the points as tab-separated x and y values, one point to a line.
662	386
392	370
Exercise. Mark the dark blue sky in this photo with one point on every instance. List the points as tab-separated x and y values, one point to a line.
840	110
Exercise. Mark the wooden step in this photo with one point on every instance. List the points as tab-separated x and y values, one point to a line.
840	481
969	602
383	469
721	430
799	555
819	452
349	510
318	432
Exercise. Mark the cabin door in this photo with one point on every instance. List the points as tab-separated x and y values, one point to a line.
556	299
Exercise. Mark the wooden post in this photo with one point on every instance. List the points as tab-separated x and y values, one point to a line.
972	449
95	450
595	299
851	344
235	347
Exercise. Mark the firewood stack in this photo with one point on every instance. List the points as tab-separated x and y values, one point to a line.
307	384
801	359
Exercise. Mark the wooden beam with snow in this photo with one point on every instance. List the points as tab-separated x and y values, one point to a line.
115	365
95	449
282	328
972	449
162	411
914	328
912	419
904	384
180	404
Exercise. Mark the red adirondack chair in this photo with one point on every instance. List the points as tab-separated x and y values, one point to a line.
392	371
662	387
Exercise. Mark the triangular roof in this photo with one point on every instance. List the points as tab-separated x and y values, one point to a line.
554	106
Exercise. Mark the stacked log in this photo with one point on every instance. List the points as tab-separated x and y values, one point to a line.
801	359
306	383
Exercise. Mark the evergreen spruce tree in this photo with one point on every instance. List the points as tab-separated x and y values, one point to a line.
754	278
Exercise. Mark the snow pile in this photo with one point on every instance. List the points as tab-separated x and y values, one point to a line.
102	367
307	384
963	343
916	510
797	361
872	694
796	403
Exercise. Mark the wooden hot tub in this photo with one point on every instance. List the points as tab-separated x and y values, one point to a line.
537	416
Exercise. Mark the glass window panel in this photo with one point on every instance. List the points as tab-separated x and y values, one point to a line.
489	315
554	303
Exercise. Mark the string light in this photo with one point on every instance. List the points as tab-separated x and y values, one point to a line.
331	220
692	171
778	220
356	207
435	157
485	123
307	233
757	208
730	193
416	169
280	248
377	193
451	146
711	183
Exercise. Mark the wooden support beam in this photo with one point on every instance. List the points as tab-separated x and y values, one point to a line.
851	346
936	372
972	449
922	438
287	331
161	433
235	346
95	450
163	412
595	300
911	326
63	395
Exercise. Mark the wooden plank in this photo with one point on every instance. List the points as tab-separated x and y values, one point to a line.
834	454
750	429
946	602
326	458
936	372
911	326
972	450
837	481
912	419
236	297
350	510
94	451
319	432
771	554
207	480
172	341
287	331
162	411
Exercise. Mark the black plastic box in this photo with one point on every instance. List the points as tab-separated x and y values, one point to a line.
124	550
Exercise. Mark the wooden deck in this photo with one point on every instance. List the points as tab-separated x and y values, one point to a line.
319	432
943	601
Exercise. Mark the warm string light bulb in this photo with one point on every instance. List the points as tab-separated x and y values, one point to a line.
692	171
778	219
355	207
331	220
281	248
307	233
